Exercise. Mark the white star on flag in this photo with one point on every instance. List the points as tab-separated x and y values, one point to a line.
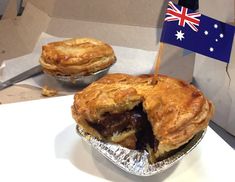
211	49
215	26
221	35
179	35
206	32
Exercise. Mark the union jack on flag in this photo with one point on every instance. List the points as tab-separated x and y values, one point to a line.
182	15
196	32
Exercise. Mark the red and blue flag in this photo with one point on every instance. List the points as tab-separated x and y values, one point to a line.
196	32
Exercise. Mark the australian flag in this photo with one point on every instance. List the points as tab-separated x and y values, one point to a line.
193	31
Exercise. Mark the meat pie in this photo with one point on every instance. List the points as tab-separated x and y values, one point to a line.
76	57
133	112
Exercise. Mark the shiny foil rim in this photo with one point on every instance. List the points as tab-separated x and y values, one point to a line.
136	162
80	79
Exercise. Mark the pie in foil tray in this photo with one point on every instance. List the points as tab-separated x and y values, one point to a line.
136	162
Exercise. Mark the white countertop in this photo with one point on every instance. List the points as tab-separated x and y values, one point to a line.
39	143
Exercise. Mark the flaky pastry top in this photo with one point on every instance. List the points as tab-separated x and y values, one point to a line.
81	56
175	109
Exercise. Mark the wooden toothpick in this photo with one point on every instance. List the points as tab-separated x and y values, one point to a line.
157	63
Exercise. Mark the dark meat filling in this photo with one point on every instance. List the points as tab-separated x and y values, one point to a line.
134	119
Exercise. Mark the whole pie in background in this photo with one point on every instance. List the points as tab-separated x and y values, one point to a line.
76	57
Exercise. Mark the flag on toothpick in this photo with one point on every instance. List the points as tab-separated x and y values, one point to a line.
196	32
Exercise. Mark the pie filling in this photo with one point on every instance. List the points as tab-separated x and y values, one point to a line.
135	120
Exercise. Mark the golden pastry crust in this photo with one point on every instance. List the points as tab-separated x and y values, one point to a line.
48	92
175	109
76	57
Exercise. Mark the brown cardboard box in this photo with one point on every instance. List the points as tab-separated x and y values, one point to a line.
127	23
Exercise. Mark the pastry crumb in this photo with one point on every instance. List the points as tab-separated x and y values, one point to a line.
48	92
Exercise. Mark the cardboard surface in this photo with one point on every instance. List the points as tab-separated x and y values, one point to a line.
20	93
19	35
219	85
10	10
43	16
125	12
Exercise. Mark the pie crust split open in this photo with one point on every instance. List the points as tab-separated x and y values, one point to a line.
133	112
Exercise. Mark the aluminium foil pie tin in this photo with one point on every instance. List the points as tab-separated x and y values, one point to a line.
78	80
136	162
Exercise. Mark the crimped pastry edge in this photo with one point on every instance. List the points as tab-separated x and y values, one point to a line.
163	148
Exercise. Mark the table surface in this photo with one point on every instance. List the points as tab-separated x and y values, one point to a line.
39	143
